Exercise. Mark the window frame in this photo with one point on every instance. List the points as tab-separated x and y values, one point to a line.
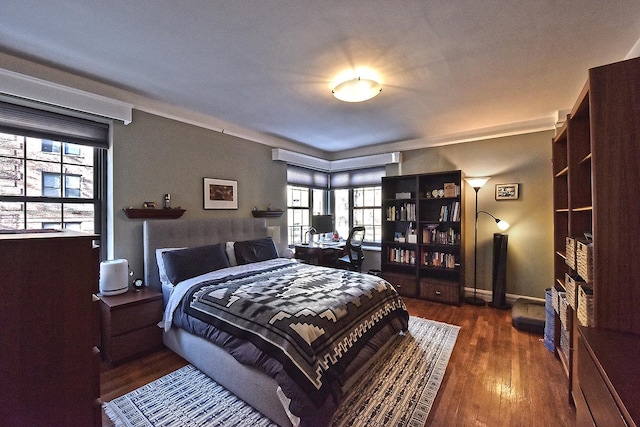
370	228
56	127
314	204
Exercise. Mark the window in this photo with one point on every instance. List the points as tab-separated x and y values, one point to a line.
39	182
306	196
359	206
52	170
51	184
355	199
298	221
302	202
50	146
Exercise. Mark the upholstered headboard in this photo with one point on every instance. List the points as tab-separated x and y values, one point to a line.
178	233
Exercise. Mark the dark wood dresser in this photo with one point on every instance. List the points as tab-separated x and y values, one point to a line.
49	360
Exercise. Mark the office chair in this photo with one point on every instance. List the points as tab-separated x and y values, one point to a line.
354	257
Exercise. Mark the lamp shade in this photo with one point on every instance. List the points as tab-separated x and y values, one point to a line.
357	90
477	182
502	225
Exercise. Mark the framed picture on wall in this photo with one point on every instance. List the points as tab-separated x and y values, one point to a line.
507	191
220	194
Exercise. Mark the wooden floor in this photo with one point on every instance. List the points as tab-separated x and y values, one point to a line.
497	375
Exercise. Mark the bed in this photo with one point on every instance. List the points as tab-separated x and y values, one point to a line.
270	369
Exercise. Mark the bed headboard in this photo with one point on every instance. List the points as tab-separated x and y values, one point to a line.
176	233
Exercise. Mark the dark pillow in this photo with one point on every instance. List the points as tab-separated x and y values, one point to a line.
255	250
186	263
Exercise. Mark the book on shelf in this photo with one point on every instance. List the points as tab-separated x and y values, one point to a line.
450	212
402	256
432	235
440	260
405	212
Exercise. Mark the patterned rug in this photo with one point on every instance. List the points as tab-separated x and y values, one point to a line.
398	390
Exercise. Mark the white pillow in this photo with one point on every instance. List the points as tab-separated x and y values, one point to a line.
231	253
162	272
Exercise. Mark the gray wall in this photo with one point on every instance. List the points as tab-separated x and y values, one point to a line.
154	155
523	159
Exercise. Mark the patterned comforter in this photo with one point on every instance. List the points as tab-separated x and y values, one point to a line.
314	321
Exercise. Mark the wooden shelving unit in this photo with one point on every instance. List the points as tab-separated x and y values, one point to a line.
596	176
422	229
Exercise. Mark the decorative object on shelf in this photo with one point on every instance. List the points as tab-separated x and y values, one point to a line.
220	194
148	205
507	191
477	184
167	201
172	213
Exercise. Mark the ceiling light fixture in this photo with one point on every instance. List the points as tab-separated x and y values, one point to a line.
357	89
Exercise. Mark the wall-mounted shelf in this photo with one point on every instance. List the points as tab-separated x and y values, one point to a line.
153	213
267	214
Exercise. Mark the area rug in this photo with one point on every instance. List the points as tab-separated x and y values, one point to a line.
398	390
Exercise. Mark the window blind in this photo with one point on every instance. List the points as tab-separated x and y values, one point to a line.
357	178
344	179
307	177
17	119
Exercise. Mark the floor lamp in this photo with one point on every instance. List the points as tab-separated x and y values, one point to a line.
477	184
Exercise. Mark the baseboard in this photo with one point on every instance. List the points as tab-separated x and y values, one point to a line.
488	296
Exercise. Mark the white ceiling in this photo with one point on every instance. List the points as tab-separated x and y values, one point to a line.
450	69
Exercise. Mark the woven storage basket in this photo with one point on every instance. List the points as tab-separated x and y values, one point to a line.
584	260
555	298
564	342
549	322
571	285
585	306
564	312
570	251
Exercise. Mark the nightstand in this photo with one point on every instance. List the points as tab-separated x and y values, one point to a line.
130	324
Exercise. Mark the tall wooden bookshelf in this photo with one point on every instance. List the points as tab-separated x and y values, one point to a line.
596	167
422	229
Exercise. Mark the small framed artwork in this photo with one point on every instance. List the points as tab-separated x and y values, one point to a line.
220	194
507	191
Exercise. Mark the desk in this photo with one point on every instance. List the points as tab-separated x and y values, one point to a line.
325	254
